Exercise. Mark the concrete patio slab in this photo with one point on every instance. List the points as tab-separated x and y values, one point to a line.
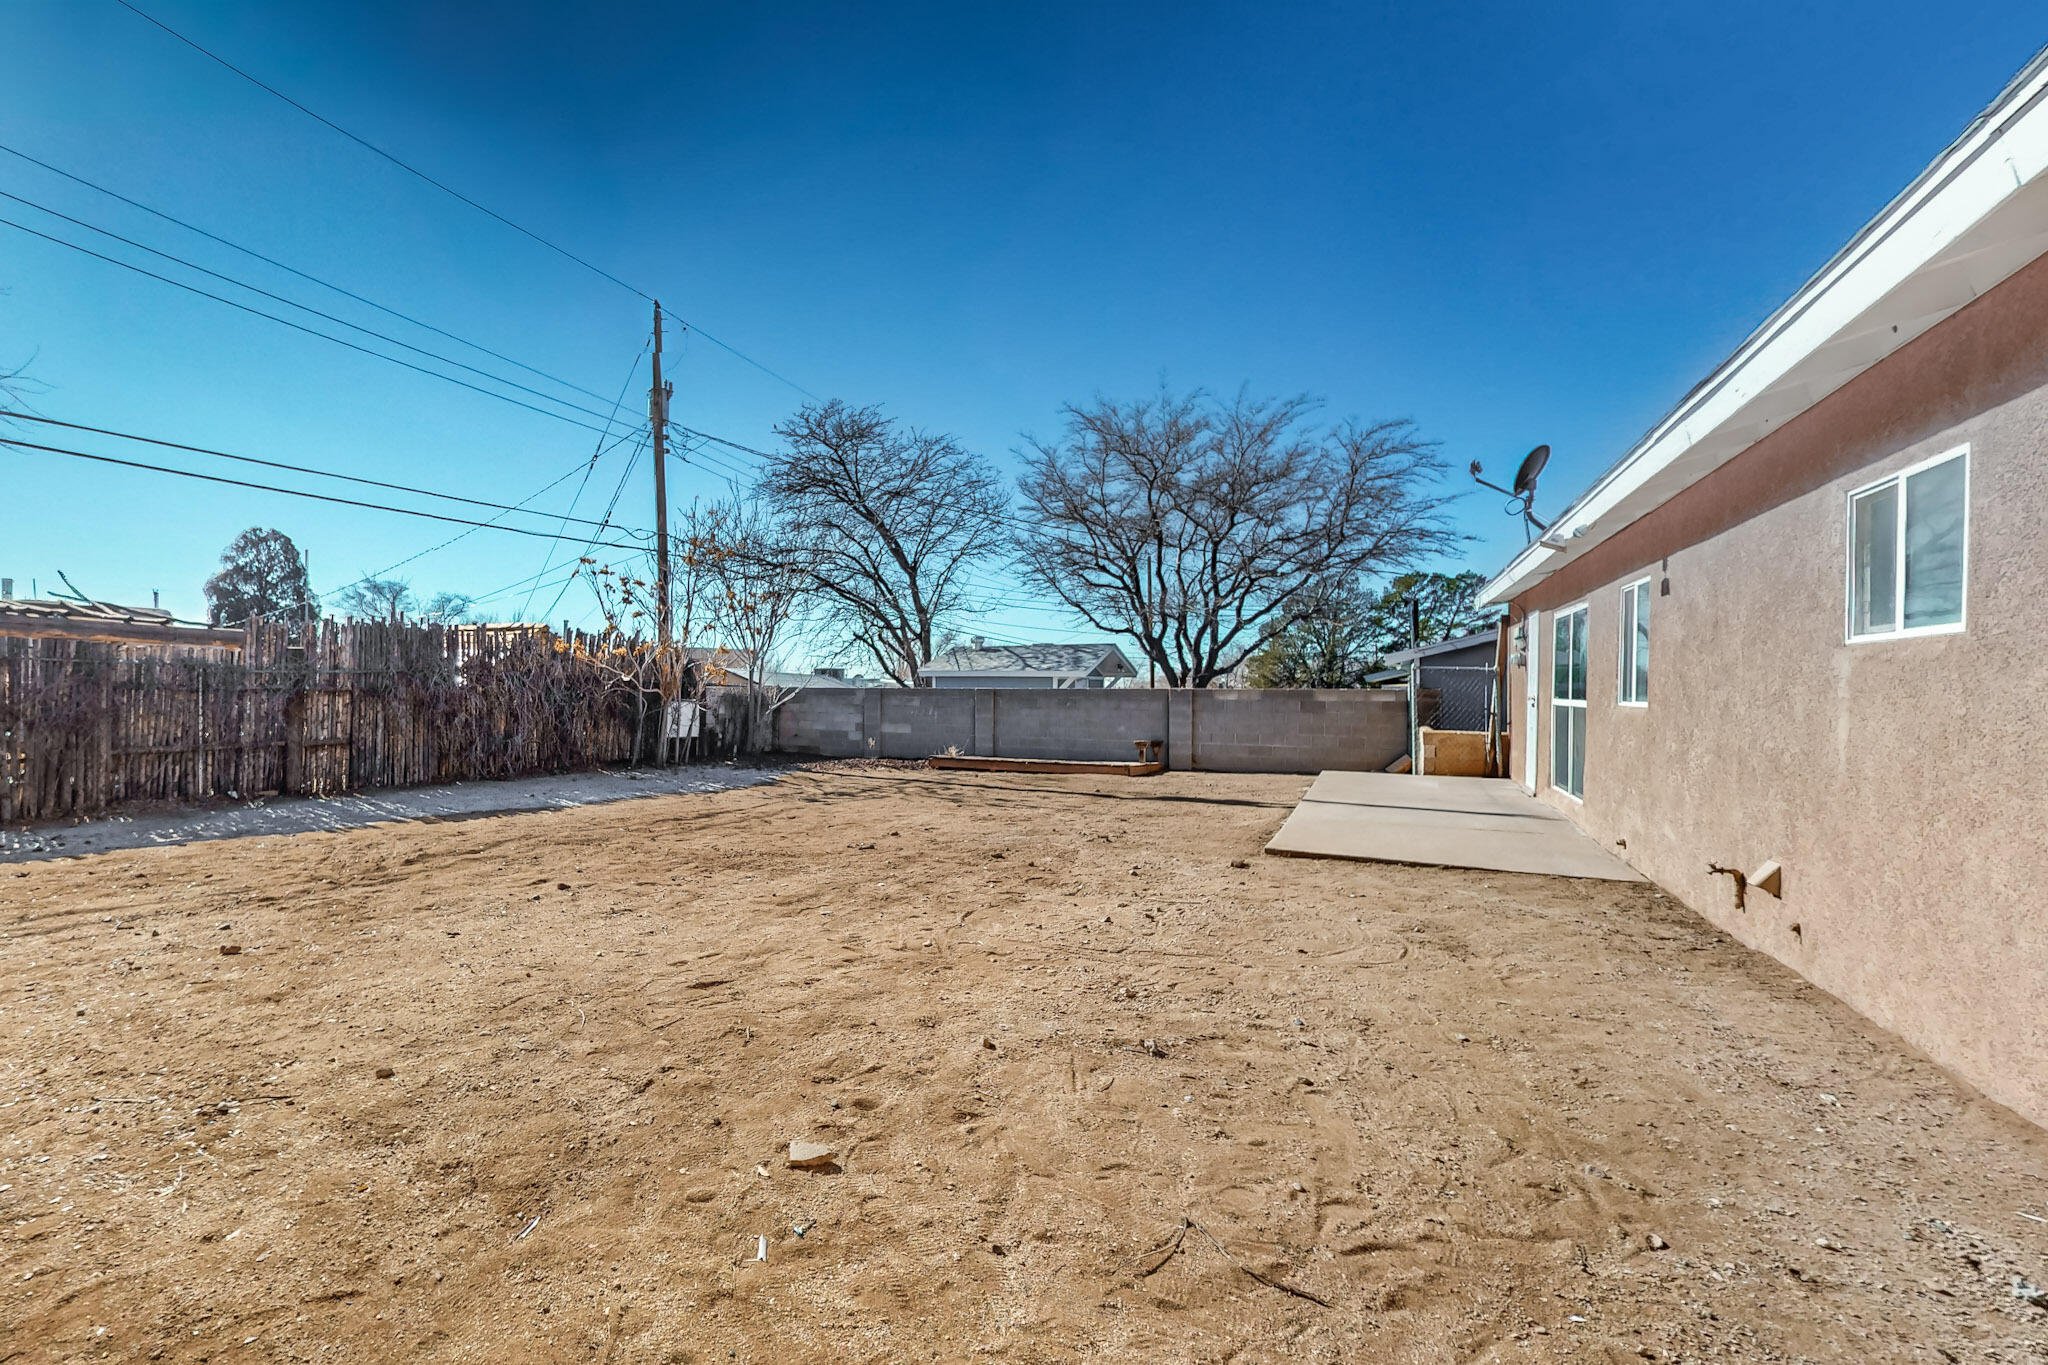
1479	822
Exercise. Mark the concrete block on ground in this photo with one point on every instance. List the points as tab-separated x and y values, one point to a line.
1452	753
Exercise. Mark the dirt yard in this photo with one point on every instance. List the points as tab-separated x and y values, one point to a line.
1101	1081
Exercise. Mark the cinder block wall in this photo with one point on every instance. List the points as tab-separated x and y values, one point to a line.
1052	723
1244	731
1275	730
919	722
823	721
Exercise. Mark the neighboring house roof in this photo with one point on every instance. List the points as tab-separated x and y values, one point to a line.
1385	675
1031	661
38	618
790	681
1971	219
726	667
1477	639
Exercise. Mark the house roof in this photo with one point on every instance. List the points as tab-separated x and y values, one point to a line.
1976	215
775	677
722	667
1032	661
1474	640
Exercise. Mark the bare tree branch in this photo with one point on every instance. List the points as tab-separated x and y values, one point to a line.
753	580
889	520
1201	530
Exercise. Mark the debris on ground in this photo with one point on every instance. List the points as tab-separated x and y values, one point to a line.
807	1155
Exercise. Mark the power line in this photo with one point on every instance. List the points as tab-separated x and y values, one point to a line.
300	327
517	584
361	349
1009	518
300	493
586	466
447	189
292	270
618	489
302	307
459	535
450	190
624	474
755	363
293	468
588	469
371	146
721	440
722	464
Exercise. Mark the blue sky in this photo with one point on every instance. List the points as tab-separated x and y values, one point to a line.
1507	224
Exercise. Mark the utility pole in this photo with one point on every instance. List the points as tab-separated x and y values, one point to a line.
657	419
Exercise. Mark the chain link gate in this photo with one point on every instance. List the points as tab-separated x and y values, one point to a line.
1464	697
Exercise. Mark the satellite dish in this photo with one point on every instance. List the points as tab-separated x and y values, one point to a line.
1523	495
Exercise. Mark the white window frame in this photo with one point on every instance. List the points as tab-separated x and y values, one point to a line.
1532	710
1625	662
1901	631
1580	702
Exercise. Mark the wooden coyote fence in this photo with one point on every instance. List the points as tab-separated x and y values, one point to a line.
314	708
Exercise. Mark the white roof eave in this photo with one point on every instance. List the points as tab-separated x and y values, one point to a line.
1970	220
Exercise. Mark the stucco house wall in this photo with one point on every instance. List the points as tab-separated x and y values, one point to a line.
1902	783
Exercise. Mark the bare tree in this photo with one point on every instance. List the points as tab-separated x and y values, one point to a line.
448	609
16	383
890	519
753	580
1200	530
378	599
645	671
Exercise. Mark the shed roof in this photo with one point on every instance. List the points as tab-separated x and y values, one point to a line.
46	618
1477	639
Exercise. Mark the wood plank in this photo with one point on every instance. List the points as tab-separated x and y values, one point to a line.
969	763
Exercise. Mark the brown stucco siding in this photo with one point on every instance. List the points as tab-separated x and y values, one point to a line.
1904	783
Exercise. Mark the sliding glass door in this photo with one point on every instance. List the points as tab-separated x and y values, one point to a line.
1568	702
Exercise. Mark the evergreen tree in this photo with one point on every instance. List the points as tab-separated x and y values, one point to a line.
261	574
